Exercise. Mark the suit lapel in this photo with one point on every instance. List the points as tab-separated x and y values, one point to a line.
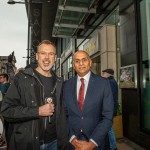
74	93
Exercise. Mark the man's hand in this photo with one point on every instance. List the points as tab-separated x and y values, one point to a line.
46	110
75	143
82	145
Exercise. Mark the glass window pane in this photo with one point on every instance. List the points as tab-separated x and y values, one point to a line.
145	30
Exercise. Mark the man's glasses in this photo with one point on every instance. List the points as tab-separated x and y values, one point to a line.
44	54
78	61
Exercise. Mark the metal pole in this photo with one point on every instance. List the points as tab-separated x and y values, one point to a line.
29	23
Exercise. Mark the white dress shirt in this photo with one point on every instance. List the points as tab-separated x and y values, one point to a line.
86	82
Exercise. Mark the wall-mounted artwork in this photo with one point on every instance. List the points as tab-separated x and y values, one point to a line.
128	76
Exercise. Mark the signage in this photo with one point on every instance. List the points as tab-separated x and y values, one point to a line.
36	29
92	46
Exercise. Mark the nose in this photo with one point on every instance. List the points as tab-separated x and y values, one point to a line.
46	55
81	62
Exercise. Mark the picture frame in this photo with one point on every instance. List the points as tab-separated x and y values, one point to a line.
128	76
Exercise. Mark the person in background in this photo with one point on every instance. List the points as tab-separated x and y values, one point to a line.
109	74
89	106
4	83
33	108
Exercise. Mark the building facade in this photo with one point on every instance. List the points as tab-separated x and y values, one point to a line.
121	42
7	65
116	35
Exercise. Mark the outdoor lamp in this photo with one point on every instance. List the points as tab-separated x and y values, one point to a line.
14	2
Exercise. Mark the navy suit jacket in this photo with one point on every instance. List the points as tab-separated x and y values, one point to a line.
96	117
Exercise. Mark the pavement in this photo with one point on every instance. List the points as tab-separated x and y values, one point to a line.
125	144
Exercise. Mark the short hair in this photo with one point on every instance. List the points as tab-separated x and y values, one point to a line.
4	75
109	71
82	52
46	42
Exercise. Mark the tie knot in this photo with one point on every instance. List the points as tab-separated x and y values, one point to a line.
82	80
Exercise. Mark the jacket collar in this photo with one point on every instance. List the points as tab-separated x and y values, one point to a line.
30	70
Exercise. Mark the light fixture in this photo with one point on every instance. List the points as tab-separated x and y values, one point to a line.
14	2
29	17
29	3
20	2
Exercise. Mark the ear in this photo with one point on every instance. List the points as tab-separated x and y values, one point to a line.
90	62
73	65
37	57
55	57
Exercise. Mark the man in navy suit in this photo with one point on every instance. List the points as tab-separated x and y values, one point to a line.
88	125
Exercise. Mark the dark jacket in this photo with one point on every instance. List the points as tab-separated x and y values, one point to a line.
20	107
114	89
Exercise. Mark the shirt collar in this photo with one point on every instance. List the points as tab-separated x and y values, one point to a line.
86	77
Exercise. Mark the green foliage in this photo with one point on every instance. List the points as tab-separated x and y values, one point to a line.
119	110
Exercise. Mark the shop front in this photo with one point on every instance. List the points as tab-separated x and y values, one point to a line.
66	61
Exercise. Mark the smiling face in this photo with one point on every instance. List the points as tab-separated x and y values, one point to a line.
46	57
81	63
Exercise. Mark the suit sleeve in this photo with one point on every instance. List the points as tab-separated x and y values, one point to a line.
105	124
70	131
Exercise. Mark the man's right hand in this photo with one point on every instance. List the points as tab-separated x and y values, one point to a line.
82	145
75	143
46	110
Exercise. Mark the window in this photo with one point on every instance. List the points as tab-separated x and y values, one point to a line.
145	31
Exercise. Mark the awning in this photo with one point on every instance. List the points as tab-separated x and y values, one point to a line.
79	18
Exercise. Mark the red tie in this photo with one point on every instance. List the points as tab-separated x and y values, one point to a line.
81	94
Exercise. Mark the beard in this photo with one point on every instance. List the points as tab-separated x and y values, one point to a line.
45	68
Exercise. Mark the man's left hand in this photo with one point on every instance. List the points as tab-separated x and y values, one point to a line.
86	145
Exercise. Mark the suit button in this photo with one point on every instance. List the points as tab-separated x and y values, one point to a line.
82	118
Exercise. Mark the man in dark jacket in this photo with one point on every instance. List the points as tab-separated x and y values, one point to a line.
33	108
109	74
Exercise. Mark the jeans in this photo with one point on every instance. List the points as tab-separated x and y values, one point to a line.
49	146
112	139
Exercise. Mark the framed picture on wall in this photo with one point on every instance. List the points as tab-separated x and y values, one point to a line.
128	76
